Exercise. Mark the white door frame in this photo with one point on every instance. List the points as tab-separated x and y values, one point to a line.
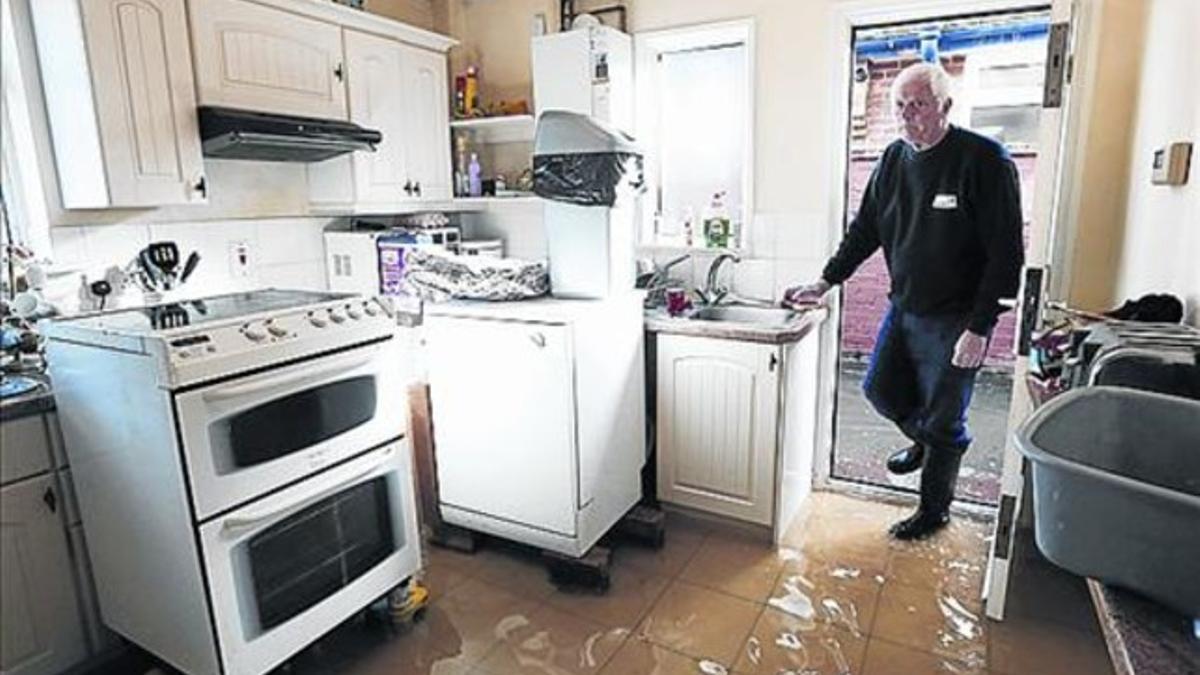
851	14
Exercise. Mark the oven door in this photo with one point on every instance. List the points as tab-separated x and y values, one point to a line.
247	436
287	568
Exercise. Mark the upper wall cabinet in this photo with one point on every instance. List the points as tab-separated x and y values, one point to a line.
427	116
260	58
117	76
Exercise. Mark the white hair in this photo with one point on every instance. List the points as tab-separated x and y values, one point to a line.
930	73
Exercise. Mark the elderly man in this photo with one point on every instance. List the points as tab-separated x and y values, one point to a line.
944	204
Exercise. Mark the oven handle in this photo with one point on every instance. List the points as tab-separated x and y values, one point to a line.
234	524
272	382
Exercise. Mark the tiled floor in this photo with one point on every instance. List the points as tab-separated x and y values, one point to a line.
840	597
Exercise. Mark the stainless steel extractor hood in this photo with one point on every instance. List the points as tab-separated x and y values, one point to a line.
228	133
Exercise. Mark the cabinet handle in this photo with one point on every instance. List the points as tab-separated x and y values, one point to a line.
201	186
774	362
538	339
51	500
408	188
417	188
339	73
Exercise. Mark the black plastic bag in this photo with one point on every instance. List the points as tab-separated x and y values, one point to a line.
586	179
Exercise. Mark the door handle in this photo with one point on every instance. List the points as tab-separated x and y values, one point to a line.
773	362
408	188
539	340
201	186
232	524
417	188
339	73
342	366
50	499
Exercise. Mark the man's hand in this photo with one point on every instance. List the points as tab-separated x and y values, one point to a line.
806	295
969	350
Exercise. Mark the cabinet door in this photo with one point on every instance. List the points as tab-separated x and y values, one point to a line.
717	411
261	58
141	70
504	420
375	68
427	120
38	606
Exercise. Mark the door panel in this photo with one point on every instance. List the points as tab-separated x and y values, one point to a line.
38	606
250	56
375	69
503	420
142	78
717	414
427	122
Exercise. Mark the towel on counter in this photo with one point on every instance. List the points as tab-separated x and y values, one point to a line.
437	276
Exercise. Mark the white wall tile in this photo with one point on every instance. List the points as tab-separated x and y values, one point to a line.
306	276
800	235
291	240
755	279
69	245
761	240
795	271
109	245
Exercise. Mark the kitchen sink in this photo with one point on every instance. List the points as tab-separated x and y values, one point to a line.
761	316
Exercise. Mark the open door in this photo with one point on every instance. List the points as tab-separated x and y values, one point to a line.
1039	258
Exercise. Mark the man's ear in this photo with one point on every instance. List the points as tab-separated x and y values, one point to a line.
946	106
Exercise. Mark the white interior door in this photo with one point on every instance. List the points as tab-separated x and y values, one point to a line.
1039	263
503	403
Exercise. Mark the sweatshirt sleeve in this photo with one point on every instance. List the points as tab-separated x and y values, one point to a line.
1001	230
862	237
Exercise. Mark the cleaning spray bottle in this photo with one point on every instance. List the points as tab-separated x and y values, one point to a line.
716	223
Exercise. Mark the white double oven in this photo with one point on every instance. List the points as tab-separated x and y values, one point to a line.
284	424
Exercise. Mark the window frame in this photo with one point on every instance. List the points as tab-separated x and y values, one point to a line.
647	47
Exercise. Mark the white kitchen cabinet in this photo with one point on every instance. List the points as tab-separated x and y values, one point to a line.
40	610
117	77
736	426
251	56
399	90
428	121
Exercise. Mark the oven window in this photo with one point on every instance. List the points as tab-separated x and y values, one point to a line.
307	557
298	421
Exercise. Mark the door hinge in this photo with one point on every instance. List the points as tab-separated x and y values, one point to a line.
1056	65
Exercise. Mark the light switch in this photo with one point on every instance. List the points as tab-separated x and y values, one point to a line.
1171	164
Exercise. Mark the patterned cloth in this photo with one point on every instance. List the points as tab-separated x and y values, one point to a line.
437	276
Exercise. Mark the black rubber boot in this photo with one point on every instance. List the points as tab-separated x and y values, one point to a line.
937	492
906	460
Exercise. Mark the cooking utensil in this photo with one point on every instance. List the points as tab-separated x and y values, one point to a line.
189	266
165	256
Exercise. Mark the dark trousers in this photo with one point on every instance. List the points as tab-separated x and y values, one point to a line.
911	382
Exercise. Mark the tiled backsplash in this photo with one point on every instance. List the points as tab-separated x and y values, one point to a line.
284	252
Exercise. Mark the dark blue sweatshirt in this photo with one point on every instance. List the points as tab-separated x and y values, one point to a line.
949	221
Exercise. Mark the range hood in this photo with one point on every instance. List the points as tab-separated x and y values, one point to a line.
228	133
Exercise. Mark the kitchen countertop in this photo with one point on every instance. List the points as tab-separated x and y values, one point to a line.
1143	637
658	321
30	403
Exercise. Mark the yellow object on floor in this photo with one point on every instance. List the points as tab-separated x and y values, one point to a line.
404	604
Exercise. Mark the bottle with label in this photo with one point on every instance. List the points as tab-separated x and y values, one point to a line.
717	228
461	185
475	176
471	93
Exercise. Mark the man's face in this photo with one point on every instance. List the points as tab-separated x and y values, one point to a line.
921	117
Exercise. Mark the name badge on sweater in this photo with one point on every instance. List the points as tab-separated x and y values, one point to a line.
945	202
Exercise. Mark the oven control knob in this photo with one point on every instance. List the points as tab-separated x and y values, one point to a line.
353	313
317	321
369	308
254	334
277	330
336	316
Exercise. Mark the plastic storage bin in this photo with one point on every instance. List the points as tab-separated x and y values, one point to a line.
1116	489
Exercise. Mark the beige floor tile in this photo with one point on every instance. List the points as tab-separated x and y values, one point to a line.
639	657
683	539
885	658
700	623
516	570
820	592
476	612
852	534
442	579
1042	592
783	643
931	621
552	642
628	598
427	647
736	565
960	577
1020	647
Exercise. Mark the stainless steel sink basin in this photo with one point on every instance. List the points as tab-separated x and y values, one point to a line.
760	316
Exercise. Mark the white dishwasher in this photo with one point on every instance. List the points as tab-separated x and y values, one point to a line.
538	416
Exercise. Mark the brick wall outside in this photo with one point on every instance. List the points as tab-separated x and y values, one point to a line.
865	293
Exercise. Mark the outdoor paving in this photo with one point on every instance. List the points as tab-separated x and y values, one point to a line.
864	439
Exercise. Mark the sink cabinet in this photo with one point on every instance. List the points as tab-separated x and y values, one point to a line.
736	426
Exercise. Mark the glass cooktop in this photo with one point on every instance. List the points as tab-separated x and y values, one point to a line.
202	310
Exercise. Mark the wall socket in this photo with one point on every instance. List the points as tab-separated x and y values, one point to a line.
241	259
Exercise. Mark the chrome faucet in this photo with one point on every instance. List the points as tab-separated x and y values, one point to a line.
658	281
712	294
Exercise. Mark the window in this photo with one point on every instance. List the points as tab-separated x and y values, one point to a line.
1001	94
694	118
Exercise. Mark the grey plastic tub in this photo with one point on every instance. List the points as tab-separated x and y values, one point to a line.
1116	489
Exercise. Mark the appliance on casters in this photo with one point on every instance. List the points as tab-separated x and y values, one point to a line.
243	466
